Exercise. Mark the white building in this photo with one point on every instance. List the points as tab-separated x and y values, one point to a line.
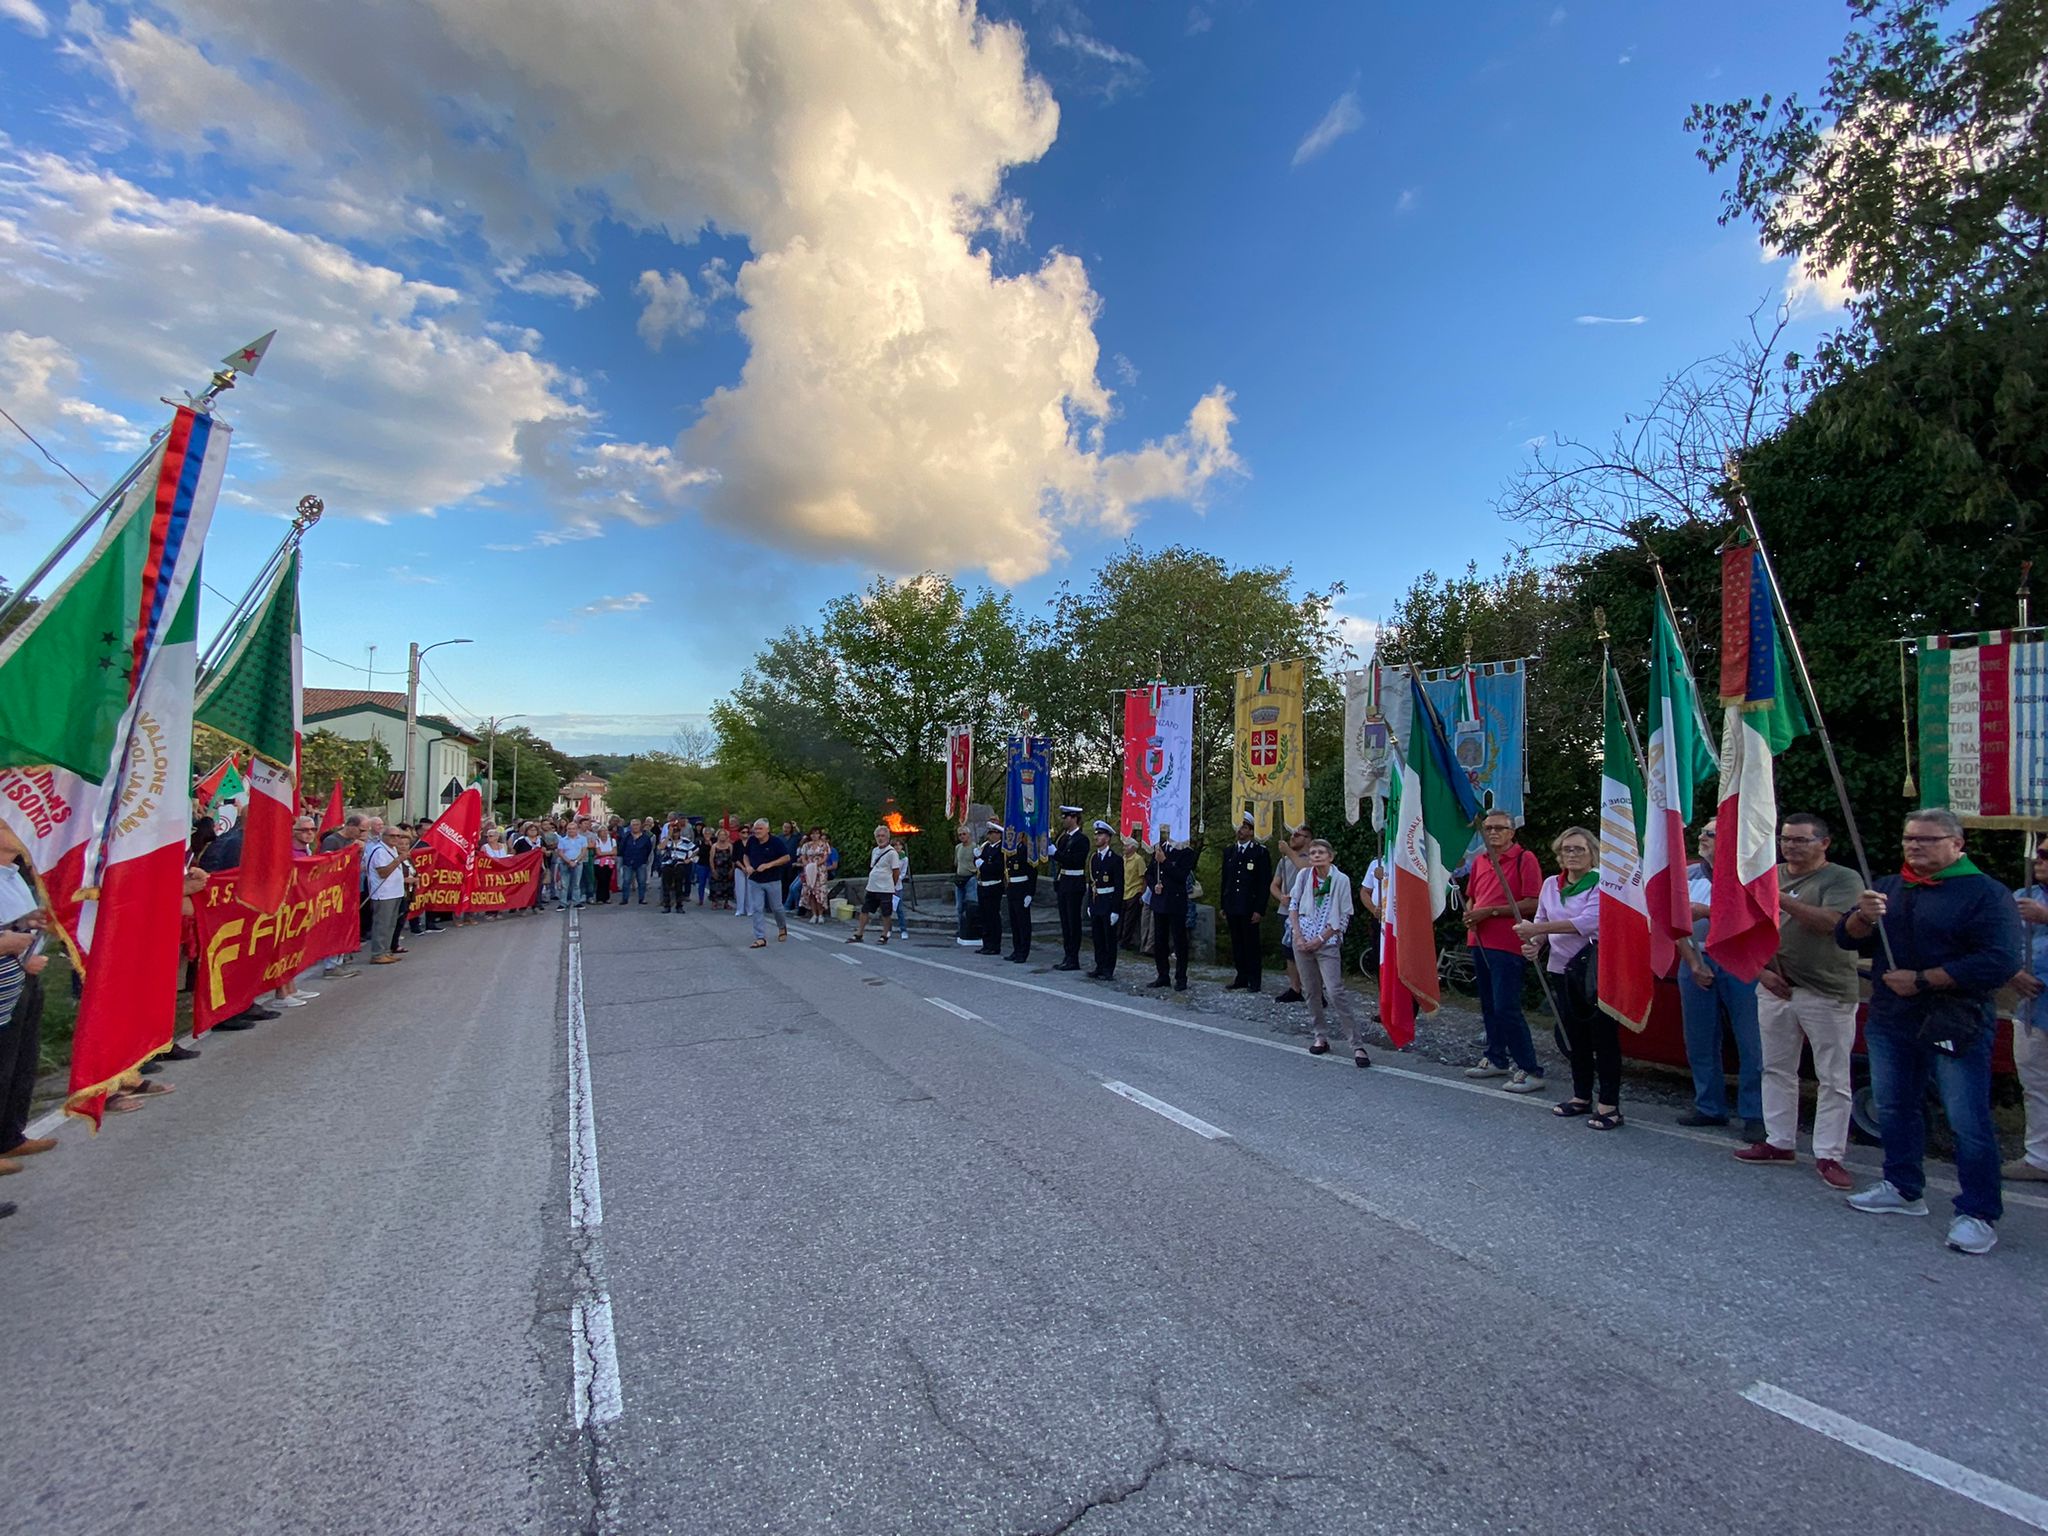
445	756
585	785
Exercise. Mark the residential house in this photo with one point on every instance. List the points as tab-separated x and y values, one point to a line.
445	756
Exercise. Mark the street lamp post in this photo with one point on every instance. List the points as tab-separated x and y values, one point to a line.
412	709
491	772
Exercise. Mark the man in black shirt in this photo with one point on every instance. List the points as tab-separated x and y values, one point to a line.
764	858
1020	885
1247	887
1070	884
1169	879
991	875
1105	899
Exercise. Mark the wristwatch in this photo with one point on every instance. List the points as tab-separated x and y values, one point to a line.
1919	981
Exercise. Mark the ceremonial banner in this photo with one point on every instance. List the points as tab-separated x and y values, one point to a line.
1267	768
1763	717
505	885
1368	762
959	771
444	855
1624	980
1027	808
96	738
244	953
332	818
1486	712
1159	739
1984	728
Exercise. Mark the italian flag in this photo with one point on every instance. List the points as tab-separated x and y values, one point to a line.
1680	758
223	783
1626	982
96	752
1433	827
252	697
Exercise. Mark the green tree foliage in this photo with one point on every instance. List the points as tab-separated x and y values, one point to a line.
853	712
1183	616
541	771
20	615
364	767
1919	175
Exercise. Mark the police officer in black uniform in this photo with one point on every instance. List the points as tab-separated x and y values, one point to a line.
1070	885
1247	889
1021	885
1105	899
1169	878
989	860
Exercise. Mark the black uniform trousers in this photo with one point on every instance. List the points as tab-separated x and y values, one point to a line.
1019	892
1245	953
1170	940
990	900
676	880
1103	932
1072	891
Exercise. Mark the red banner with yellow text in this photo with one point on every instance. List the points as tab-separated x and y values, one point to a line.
245	953
506	885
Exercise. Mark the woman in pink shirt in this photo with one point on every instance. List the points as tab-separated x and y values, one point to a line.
1567	924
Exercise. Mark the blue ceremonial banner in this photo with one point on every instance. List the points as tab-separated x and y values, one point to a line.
1027	812
1491	744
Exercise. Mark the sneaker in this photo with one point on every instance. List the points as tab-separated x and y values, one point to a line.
1883	1199
307	993
1763	1152
2020	1171
1289	996
1486	1069
1972	1234
1832	1173
1521	1082
290	1002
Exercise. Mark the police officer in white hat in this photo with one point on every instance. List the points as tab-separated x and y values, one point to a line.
1105	899
989	876
1070	884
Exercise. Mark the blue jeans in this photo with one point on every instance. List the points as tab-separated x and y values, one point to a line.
703	878
1899	1068
1702	1008
631	875
766	898
1500	1004
572	884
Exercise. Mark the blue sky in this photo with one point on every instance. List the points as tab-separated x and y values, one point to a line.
616	345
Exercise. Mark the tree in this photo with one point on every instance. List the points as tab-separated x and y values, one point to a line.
20	615
1918	181
532	763
855	710
651	784
695	742
1185	617
364	767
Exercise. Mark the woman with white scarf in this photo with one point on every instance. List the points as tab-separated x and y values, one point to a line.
1318	911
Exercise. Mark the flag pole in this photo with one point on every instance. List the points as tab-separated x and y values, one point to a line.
1699	710
223	379
1820	725
1628	719
308	513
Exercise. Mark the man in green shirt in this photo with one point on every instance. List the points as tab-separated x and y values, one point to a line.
1808	993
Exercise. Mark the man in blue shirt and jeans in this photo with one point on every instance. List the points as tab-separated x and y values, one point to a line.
1954	940
764	857
636	847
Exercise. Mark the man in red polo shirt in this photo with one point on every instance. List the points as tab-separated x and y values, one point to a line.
1490	917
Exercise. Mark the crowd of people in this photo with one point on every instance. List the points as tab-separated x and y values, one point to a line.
1941	940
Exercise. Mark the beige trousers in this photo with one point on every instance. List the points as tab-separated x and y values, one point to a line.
1829	1028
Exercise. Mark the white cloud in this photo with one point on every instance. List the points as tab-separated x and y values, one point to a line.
505	549
1812	292
1405	203
1610	319
1627	55
406	576
1343	117
671	308
1557	17
1126	371
557	284
26	15
1116	70
630	603
902	402
375	395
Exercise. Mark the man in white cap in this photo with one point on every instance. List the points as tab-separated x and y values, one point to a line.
1070	884
990	888
1021	887
1105	899
1247	880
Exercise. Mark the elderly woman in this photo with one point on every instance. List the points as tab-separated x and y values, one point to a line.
1567	924
1319	909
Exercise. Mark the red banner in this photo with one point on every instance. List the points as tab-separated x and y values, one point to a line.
506	885
1141	730
244	953
442	857
959	771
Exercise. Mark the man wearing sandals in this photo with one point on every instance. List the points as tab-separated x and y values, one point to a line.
764	858
885	877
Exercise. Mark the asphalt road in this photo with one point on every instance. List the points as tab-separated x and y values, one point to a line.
625	1227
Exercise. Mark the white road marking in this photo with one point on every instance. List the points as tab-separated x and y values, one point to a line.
2027	1508
846	960
598	1396
1454	1084
955	1009
801	938
1137	1096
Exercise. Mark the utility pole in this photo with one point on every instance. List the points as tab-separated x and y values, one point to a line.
491	772
413	653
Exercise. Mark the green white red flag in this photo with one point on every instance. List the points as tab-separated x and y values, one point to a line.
252	696
1626	982
96	751
222	782
1680	757
1434	826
